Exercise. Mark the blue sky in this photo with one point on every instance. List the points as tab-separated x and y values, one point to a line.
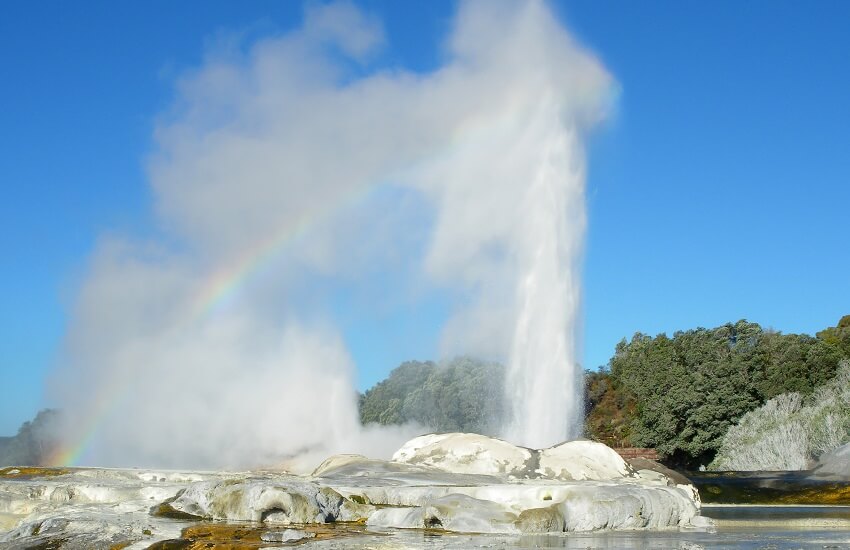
719	191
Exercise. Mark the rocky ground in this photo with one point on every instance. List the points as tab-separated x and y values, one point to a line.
450	483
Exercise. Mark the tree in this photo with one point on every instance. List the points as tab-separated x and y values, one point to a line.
35	441
460	395
689	389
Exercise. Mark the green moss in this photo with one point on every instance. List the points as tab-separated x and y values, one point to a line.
171	544
165	510
358	499
28	472
246	536
52	544
781	489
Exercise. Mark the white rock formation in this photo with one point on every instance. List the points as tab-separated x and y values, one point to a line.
835	464
287	535
278	501
582	460
463	453
454	482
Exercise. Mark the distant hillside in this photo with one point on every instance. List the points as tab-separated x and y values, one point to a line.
35	441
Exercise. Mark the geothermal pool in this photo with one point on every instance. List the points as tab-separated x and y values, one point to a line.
438	491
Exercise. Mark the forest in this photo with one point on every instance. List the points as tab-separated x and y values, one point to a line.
679	394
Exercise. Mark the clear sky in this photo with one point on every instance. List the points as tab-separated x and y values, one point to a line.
718	191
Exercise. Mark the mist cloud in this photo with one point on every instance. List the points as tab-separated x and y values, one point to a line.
286	143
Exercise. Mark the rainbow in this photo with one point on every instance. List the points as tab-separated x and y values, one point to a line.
218	289
225	283
66	455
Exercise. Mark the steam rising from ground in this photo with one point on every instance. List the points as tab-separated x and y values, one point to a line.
277	158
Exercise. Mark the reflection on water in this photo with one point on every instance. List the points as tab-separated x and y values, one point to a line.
803	487
744	527
747	538
818	515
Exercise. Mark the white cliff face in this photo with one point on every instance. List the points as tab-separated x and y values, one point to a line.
454	482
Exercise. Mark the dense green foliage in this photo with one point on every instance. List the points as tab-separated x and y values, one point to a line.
790	431
689	389
462	395
677	394
838	336
35	441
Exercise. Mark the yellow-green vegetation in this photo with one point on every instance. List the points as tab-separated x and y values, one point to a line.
691	387
165	510
610	410
30	472
781	488
52	544
838	494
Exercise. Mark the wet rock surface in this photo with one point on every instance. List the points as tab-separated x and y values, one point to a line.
834	465
765	488
452	483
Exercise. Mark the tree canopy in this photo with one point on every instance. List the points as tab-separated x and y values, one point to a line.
678	394
463	395
689	389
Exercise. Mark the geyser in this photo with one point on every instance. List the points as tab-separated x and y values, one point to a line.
282	177
544	380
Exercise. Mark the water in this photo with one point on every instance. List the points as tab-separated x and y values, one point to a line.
740	527
781	487
543	380
747	538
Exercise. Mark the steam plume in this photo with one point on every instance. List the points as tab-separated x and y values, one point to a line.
267	179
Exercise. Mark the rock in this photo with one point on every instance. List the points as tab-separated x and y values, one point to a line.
454	512
452	482
465	514
583	460
287	535
379	473
628	506
643	465
335	462
268	501
465	454
835	464
398	518
541	520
